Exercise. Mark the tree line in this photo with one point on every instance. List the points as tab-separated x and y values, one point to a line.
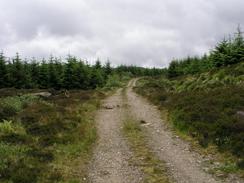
227	52
71	73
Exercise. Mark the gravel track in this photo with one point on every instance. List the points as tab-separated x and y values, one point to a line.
110	163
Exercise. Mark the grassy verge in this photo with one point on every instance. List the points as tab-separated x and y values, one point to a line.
219	163
154	170
47	140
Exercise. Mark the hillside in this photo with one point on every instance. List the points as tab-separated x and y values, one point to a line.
205	106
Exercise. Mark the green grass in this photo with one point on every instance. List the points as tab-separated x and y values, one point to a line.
154	170
47	140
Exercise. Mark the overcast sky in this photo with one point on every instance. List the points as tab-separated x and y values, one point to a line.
141	32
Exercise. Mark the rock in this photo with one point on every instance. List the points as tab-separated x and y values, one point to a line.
42	94
66	93
199	162
220	174
206	169
108	107
240	116
104	172
217	164
143	122
147	124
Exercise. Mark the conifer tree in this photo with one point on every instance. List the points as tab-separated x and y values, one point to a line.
172	71
3	71
97	75
83	75
98	64
220	56
43	75
60	72
108	69
238	47
34	72
18	76
97	79
71	79
54	80
27	76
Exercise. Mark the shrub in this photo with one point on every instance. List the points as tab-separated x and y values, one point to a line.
211	115
13	133
9	154
9	106
48	137
8	127
24	171
113	81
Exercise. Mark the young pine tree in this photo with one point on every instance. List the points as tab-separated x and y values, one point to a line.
237	47
96	78
71	79
60	72
108	71
43	79
98	64
18	75
34	72
28	79
220	56
83	75
3	72
54	79
173	69
97	75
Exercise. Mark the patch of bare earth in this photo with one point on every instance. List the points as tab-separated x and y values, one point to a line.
183	165
111	157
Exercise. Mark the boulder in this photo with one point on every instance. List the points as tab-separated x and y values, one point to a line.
109	107
42	94
240	116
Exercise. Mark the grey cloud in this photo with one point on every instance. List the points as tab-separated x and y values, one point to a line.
142	32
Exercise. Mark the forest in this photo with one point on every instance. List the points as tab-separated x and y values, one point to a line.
227	52
72	73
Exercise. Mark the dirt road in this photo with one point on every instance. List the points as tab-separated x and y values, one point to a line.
111	156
